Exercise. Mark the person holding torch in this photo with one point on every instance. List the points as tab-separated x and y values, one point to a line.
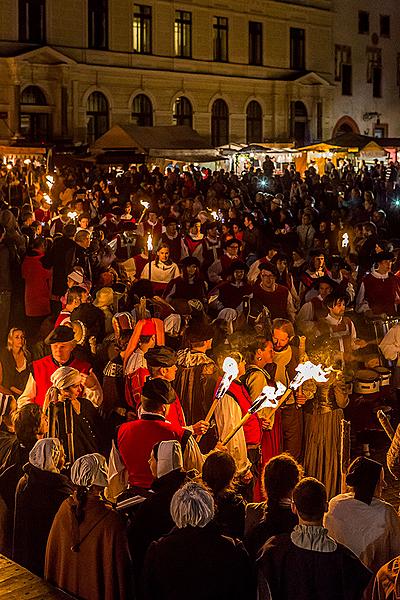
161	270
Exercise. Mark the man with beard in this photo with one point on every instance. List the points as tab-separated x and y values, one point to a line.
287	356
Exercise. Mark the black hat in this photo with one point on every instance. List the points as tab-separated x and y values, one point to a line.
199	332
232	241
190	260
160	356
59	335
326	279
210	225
363	475
160	390
170	219
238	265
268	266
380	256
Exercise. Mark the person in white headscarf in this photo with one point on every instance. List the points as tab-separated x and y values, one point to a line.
87	552
196	551
64	404
153	517
39	495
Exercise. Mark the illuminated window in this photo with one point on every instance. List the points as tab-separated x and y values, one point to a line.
32	21
183	34
219	123
34	119
142	29
220	39
97	116
142	111
183	112
98	24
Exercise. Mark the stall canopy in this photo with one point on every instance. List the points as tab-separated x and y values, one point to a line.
173	142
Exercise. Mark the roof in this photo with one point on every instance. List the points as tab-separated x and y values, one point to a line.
149	140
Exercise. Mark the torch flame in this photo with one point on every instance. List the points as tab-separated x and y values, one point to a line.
73	214
145	204
345	240
268	397
149	242
306	371
231	371
47	198
214	215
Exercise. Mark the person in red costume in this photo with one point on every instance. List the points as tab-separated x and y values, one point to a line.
136	439
245	446
161	362
62	344
261	372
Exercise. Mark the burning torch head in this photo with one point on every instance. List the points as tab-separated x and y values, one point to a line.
306	371
145	204
230	367
268	397
149	242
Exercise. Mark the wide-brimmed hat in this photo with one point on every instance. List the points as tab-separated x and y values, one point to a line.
60	335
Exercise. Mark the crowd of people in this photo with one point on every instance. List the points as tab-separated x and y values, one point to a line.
132	459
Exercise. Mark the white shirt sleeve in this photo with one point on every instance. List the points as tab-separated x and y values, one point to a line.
361	303
29	393
390	345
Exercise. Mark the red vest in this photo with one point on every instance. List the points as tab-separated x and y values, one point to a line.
276	301
136	440
381	293
252	428
44	368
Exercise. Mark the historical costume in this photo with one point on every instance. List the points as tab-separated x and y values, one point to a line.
322	416
87	552
39	495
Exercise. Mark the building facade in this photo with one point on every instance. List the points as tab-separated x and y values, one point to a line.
235	72
366	67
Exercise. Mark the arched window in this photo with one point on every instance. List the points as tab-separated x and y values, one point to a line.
97	116
33	95
219	123
254	128
142	111
183	112
35	117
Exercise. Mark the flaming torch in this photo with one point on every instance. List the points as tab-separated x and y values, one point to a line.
231	370
267	399
149	251
269	395
146	206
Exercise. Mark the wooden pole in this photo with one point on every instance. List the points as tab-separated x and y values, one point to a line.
247	416
386	424
345	446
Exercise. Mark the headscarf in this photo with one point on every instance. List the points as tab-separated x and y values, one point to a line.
90	469
192	505
64	377
45	455
169	457
363	475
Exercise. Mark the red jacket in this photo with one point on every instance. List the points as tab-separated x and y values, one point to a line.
252	428
37	286
136	440
44	368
